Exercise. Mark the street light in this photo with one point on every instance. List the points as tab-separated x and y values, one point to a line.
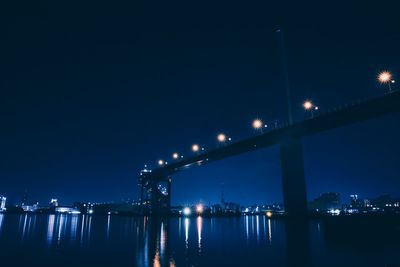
221	137
199	208
175	155
186	211
257	124
309	106
160	162
386	77
195	148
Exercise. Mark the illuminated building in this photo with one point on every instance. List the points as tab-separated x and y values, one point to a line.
3	203
54	202
30	208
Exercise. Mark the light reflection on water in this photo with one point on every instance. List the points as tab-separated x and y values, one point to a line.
187	232
1	221
199	230
144	241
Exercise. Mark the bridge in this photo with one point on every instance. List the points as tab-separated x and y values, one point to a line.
156	199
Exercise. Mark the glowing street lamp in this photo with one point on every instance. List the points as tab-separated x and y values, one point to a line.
308	105
195	148
187	211
199	209
160	162
175	156
386	77
257	124
221	138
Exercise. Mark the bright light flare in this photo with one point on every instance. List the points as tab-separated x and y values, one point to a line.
257	124
308	105
199	208
175	155
385	77
221	137
195	148
186	211
160	162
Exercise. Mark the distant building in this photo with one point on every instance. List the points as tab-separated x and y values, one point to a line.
53	202
356	202
216	209
3	203
326	202
30	208
384	201
231	207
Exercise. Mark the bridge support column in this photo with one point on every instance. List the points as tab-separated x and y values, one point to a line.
293	179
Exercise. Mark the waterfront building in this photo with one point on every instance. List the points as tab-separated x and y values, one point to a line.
326	202
3	203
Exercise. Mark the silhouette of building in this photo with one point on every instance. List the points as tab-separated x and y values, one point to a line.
326	202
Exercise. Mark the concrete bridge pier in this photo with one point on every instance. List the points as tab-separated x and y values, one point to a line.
293	178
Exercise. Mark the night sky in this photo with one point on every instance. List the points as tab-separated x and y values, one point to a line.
93	90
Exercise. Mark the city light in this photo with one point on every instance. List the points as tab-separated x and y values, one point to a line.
160	162
308	105
221	137
257	124
186	211
199	208
175	155
269	214
195	148
385	77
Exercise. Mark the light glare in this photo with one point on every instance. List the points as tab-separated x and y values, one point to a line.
384	77
195	148
199	208
308	105
257	124
186	211
221	137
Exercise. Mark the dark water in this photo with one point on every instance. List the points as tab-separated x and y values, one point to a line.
74	240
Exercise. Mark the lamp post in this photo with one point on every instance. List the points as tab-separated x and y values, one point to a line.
309	106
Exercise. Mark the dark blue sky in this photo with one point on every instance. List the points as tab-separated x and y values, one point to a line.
92	91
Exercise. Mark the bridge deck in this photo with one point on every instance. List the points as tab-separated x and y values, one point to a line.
347	115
